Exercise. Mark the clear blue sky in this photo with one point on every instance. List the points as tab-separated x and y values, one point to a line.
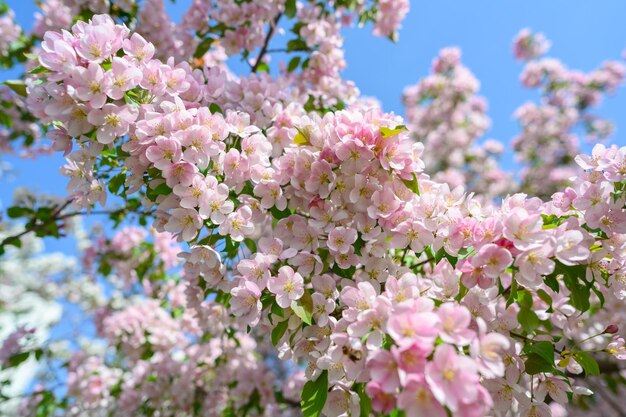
583	34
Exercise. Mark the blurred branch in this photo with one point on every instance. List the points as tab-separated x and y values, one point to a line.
56	215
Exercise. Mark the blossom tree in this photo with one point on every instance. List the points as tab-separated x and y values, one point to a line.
282	246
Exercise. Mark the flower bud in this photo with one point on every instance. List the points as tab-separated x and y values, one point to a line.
611	329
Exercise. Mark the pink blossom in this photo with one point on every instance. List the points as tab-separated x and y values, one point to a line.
523	228
112	121
617	348
246	302
340	239
411	234
184	223
288	286
454	321
215	204
568	248
238	224
493	260
417	399
555	387
382	402
534	263
322	308
271	195
90	85
384	370
138	48
535	409
414	327
122	77
164	152
452	378
179	173
411	358
488	349
384	204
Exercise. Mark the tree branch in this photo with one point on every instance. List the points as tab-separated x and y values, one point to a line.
56	216
35	227
266	43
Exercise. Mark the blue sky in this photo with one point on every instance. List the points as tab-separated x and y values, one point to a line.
583	34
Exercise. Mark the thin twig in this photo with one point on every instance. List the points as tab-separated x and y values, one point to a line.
266	43
56	216
53	218
424	262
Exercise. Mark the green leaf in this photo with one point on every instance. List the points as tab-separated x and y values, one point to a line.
203	47
293	64
277	310
161	189
18	86
314	396
297	45
364	400
358	245
290	8
303	307
528	320
214	108
279	214
544	349
588	363
266	300
536	364
250	244
525	299
599	294
512	294
38	70
279	331
412	184
344	273
15	211
6	120
263	67
611	382
545	297
579	294
300	139
18	359
116	183
551	282
386	132
14	242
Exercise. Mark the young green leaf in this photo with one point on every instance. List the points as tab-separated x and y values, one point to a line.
386	132
588	363
314	396
279	331
18	86
303	308
536	364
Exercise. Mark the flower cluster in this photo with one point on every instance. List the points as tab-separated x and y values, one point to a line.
324	232
548	142
528	45
9	31
444	112
309	219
